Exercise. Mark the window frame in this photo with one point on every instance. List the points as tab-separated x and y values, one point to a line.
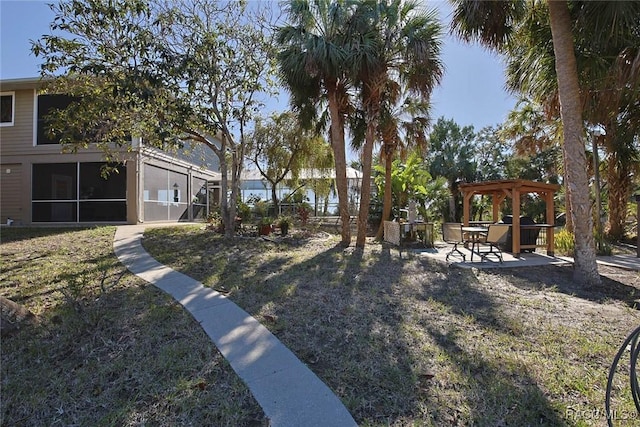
79	204
41	139
12	94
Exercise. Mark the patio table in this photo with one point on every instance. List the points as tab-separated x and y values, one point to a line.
474	235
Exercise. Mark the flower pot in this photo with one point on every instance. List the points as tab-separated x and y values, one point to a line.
264	229
284	229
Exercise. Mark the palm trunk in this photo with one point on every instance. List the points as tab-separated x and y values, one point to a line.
452	202
585	267
619	179
340	158
365	188
388	191
567	202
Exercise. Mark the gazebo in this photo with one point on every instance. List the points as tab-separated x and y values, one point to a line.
513	188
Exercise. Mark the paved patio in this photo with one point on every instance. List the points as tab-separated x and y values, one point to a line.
439	252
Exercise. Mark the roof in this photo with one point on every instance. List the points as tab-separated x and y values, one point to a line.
20	84
520	185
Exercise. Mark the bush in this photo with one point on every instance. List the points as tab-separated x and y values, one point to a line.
244	211
214	222
261	208
603	247
564	243
265	220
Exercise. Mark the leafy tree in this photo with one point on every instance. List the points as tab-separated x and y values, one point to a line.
321	183
491	154
451	155
493	23
410	180
313	61
167	71
281	147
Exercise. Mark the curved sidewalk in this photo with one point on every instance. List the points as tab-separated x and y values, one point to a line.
288	392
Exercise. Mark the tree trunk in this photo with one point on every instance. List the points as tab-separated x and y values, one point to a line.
567	202
452	202
274	199
224	190
388	191
585	267
619	179
365	188
340	158
236	169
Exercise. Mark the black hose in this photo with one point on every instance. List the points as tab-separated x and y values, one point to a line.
634	351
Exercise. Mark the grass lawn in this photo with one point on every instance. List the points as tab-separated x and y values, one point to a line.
401	339
406	340
108	349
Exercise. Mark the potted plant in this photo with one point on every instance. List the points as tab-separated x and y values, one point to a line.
265	226
303	213
284	222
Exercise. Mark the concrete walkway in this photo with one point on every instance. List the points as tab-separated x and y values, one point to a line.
289	393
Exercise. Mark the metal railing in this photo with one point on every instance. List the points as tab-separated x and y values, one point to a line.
633	344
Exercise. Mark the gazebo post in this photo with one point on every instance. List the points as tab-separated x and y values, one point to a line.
495	200
551	221
515	223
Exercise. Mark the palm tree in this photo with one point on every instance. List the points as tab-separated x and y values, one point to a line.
533	131
493	22
400	129
313	61
608	75
390	40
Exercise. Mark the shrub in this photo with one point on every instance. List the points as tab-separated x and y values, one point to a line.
564	243
603	247
214	222
261	208
244	211
284	220
265	220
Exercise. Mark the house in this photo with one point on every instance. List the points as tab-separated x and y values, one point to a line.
39	184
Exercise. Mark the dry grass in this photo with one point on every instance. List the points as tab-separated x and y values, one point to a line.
108	348
403	340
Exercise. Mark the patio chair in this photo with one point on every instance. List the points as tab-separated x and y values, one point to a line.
496	237
452	233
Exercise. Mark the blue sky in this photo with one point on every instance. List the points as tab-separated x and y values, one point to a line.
472	90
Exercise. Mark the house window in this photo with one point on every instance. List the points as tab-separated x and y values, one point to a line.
46	105
77	192
7	108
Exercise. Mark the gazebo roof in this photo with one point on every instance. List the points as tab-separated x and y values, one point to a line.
512	188
520	185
